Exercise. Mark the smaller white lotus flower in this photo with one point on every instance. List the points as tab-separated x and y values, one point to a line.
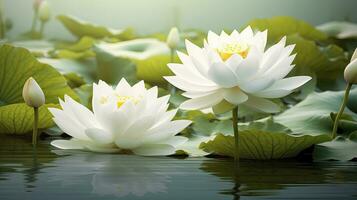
173	39
235	69
351	70
44	11
33	94
36	4
129	118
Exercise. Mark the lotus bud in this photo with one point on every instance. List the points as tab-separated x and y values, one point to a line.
173	39
44	11
33	94
36	4
351	70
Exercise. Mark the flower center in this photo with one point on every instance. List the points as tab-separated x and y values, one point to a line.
227	50
120	100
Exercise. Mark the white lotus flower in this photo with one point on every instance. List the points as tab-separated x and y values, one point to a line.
125	118
173	38
236	69
350	73
44	11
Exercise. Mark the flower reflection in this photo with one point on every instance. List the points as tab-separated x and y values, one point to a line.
111	174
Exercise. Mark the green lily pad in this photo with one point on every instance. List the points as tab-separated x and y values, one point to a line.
82	28
82	44
18	118
153	69
263	141
339	29
285	25
16	66
341	148
36	47
326	62
138	49
111	68
312	115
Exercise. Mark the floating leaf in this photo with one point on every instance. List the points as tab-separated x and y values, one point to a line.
339	29
261	141
36	47
326	62
83	44
341	148
16	66
153	69
82	28
138	49
312	115
111	68
284	25
18	118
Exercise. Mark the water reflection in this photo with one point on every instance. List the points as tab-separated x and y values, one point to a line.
29	174
110	174
269	178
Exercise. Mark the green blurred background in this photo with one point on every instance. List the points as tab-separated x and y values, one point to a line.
148	16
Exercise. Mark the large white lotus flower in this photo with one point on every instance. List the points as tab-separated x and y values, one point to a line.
125	118
236	69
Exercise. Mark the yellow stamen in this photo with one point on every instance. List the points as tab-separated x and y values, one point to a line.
122	99
228	50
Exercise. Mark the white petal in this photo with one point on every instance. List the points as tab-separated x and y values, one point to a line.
223	75
99	136
81	113
260	40
176	141
186	73
213	39
165	130
246	34
283	87
262	105
234	61
123	87
68	125
189	86
255	85
154	150
273	54
67	144
235	96
250	65
202	102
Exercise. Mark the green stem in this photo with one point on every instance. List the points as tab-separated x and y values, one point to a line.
34	22
340	112
2	22
42	28
169	86
236	134
35	127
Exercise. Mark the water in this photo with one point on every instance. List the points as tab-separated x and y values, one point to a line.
51	174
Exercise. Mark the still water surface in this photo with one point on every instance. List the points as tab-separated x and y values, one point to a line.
51	174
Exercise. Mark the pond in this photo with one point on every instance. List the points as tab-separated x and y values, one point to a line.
46	173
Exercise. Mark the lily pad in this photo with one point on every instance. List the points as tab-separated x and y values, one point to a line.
263	141
312	115
285	25
138	49
153	69
339	29
82	28
16	66
342	149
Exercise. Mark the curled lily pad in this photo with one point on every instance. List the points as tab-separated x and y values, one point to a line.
82	28
312	115
16	66
138	49
263	141
339	29
341	148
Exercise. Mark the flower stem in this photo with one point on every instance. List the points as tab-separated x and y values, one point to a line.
169	86
236	134
42	28
34	22
35	127
340	112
